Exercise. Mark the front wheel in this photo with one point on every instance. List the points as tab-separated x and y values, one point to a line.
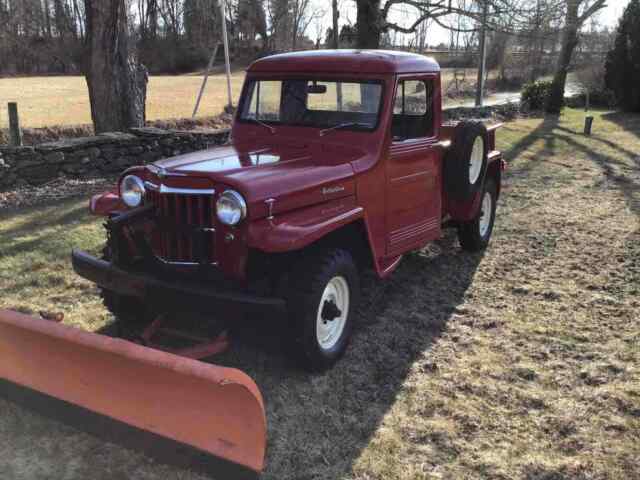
475	234
324	296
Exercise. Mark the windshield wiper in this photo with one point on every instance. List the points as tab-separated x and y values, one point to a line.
345	125
258	122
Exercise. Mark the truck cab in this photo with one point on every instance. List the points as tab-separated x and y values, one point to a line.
338	162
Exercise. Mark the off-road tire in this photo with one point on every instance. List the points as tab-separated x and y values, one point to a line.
470	233
126	310
306	288
457	164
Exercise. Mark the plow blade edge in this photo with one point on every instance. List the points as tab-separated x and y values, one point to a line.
215	409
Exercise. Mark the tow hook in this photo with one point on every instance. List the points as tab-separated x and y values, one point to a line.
330	311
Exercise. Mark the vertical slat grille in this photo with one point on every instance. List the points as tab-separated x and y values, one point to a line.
183	210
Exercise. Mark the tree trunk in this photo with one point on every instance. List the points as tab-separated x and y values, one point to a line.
117	82
569	43
335	41
368	23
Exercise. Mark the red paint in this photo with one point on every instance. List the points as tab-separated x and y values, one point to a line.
105	204
394	187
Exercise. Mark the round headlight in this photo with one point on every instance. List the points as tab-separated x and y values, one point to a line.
132	191
231	208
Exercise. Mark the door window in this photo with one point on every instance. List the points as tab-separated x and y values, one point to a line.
413	110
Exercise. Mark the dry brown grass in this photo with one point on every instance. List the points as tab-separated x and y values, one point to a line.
46	101
521	363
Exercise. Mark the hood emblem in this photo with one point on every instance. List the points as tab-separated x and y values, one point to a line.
330	190
160	172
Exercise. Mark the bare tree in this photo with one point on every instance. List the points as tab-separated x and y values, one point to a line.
302	15
577	13
117	82
251	22
280	23
373	15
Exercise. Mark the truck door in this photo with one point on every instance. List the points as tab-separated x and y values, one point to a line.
413	215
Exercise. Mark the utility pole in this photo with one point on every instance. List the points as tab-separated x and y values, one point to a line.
483	55
225	40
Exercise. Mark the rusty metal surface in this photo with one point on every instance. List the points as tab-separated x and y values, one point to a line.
215	409
202	348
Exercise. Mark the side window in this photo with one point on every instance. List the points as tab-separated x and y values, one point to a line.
265	100
413	110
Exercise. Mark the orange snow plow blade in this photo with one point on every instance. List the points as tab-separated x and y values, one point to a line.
215	409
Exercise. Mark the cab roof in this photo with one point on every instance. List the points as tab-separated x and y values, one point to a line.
348	61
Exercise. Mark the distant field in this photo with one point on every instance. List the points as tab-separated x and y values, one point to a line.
48	101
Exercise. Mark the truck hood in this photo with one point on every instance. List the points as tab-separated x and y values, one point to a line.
294	175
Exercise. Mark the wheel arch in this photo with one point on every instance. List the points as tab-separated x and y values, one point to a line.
353	237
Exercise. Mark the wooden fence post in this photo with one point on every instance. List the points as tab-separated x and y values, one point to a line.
15	134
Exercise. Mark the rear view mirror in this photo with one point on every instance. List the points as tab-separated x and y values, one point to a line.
316	89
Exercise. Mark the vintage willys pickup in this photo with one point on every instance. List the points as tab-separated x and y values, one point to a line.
338	162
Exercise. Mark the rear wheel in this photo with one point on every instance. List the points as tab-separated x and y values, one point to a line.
324	294
475	234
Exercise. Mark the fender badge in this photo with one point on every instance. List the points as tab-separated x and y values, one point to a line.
330	190
270	202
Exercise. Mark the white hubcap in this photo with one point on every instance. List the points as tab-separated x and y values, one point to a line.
475	164
332	312
485	214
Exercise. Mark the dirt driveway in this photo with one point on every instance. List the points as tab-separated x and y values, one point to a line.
522	363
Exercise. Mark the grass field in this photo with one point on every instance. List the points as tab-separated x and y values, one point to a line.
47	101
61	101
519	363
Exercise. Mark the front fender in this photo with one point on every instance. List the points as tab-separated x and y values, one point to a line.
297	229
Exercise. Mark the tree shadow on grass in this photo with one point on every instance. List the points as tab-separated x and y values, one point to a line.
52	214
56	217
634	157
543	131
629	122
611	169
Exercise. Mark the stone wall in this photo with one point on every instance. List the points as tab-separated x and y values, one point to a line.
105	154
502	111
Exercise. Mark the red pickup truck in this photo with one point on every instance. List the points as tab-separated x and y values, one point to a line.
338	162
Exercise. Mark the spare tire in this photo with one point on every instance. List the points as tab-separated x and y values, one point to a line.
465	164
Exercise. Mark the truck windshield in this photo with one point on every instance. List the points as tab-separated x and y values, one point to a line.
313	103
